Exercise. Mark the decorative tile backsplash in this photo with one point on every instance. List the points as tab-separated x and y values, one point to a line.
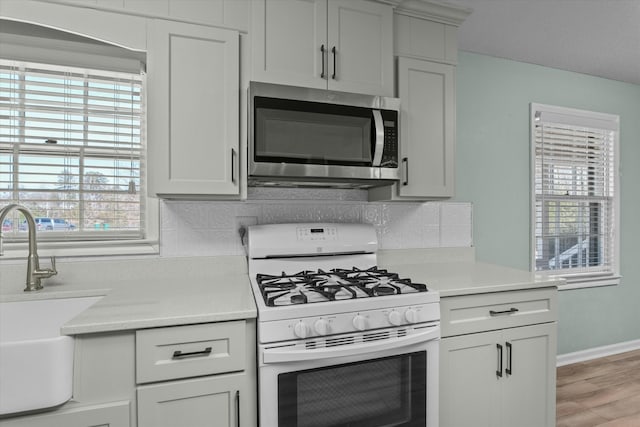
207	228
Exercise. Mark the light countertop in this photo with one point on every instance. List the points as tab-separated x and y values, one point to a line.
160	303
141	294
455	272
147	293
451	279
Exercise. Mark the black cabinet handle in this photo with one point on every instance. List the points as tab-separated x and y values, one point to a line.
405	160
499	371
333	50
233	164
322	54
509	369
178	354
512	310
237	408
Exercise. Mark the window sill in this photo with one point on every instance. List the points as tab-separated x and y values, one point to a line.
19	251
590	282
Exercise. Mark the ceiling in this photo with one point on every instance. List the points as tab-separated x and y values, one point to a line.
596	37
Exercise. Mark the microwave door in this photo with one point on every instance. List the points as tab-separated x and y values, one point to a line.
379	138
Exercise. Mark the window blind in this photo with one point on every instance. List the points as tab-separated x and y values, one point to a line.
574	184
71	150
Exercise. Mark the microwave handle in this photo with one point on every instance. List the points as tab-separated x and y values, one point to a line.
379	146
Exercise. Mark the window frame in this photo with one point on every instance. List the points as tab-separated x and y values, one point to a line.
75	54
597	276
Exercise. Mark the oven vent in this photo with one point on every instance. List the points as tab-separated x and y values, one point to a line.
337	341
376	336
334	342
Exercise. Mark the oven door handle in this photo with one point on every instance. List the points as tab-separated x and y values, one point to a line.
284	354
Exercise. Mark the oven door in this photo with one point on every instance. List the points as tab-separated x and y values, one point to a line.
386	382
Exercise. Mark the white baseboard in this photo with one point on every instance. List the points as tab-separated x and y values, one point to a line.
594	353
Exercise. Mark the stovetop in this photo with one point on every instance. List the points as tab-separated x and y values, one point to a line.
335	284
323	279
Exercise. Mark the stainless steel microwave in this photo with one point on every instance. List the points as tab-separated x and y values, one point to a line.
321	138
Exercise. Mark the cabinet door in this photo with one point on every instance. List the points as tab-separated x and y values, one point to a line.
528	397
286	40
427	132
469	386
362	34
193	109
208	401
427	123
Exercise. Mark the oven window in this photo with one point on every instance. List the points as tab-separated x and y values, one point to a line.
390	391
311	133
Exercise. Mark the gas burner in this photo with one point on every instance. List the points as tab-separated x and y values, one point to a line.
334	285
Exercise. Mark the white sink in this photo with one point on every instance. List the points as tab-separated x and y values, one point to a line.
36	362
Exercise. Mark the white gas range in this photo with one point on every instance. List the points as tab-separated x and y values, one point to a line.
337	335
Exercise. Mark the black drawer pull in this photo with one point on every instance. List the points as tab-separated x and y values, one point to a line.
180	355
500	313
499	370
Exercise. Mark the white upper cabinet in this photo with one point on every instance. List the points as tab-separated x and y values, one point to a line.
223	13
344	45
427	123
286	41
425	44
360	40
427	132
193	110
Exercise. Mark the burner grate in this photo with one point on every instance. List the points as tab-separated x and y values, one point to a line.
333	285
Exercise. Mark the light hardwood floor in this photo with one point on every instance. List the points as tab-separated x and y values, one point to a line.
602	392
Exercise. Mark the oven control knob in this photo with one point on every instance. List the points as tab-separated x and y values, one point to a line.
321	326
394	318
360	322
411	315
300	330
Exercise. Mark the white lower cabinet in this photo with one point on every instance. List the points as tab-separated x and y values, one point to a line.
503	377
214	401
178	376
473	394
115	414
529	397
196	375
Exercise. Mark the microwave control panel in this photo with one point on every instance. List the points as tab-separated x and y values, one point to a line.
390	153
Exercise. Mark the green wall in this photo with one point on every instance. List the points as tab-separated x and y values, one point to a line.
492	172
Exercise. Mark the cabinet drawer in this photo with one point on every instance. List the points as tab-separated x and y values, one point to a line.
189	351
485	312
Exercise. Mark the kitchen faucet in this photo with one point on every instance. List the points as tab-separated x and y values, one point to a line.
34	273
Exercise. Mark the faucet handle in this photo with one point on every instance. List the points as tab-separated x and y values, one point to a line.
43	273
53	266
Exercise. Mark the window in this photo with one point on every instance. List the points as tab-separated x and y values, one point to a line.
575	194
72	151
